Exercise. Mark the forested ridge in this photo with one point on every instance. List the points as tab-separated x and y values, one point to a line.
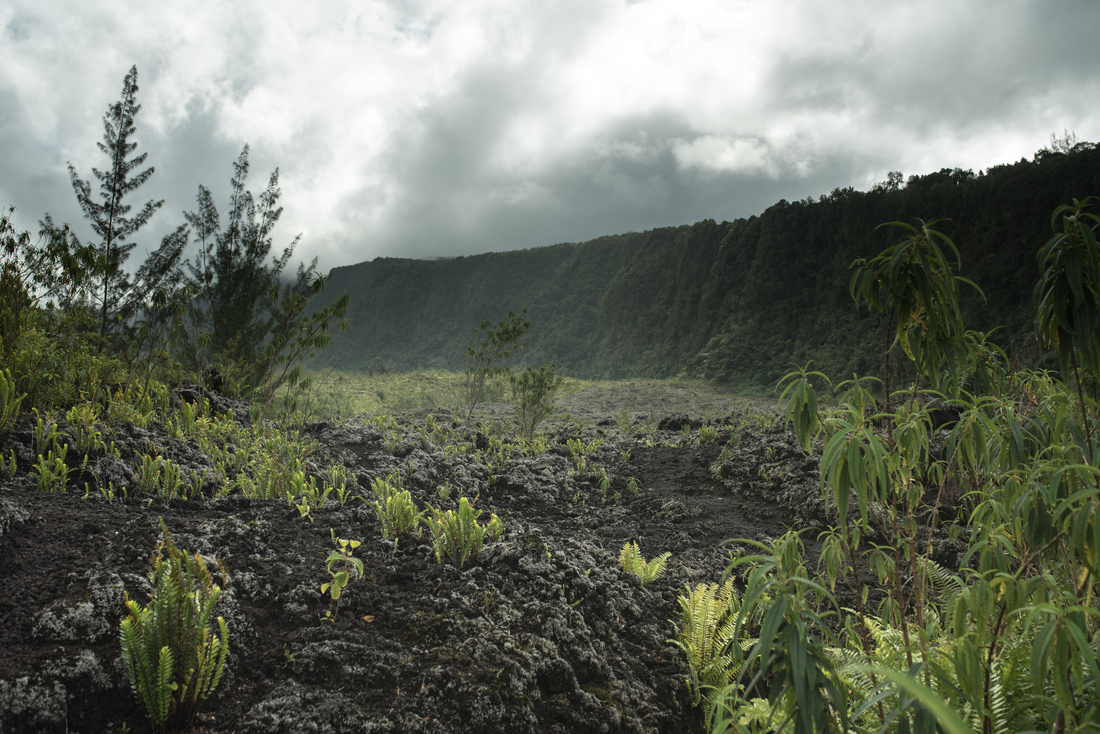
733	302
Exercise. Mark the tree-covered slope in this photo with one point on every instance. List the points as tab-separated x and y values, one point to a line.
732	301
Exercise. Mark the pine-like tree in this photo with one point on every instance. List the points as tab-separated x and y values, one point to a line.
205	229
238	317
120	297
235	284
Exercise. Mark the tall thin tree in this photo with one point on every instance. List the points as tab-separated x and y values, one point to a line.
205	227
110	218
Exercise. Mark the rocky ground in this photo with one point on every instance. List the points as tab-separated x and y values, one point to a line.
546	633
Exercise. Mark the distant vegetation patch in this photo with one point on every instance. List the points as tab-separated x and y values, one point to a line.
343	394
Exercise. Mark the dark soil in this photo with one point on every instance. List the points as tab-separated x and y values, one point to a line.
546	633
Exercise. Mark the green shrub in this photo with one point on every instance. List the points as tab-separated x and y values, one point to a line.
491	345
534	392
1007	644
15	296
14	305
173	655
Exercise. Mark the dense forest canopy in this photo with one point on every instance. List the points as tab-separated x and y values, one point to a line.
732	302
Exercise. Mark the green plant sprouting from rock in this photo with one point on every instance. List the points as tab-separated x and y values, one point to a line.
52	470
161	477
340	564
634	562
173	653
709	630
458	536
83	421
398	515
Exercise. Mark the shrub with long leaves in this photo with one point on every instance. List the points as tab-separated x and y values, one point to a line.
1009	643
173	652
1068	293
913	284
789	661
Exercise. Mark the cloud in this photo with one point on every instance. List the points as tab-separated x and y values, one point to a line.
428	127
717	153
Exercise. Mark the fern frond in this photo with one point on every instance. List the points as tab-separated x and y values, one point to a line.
222	652
944	583
161	695
629	556
654	568
135	654
998	708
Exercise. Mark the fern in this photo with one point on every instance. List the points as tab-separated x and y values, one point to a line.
708	637
162	692
1011	699
172	657
9	401
398	515
159	476
634	562
385	487
457	535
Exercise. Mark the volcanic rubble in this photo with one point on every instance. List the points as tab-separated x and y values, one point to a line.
543	633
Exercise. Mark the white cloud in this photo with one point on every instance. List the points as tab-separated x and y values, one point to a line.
738	155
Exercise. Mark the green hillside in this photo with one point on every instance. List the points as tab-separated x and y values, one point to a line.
734	302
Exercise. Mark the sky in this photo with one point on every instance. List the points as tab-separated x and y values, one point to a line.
437	128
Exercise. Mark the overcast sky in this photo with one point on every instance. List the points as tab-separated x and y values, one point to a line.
425	128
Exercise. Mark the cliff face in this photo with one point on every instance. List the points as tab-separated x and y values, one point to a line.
732	301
